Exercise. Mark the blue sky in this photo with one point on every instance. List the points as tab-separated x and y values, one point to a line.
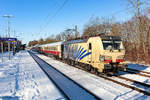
33	18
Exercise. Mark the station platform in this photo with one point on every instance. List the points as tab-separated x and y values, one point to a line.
22	79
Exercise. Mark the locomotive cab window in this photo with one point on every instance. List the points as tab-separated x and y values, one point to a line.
90	46
112	45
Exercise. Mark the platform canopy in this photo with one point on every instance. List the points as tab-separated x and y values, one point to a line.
8	39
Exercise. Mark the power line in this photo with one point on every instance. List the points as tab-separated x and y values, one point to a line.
120	11
52	17
64	3
50	13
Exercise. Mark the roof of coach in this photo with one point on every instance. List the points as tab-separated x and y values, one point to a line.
85	38
52	44
76	41
117	38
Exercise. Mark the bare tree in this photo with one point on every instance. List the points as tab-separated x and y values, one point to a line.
138	33
69	34
98	26
58	37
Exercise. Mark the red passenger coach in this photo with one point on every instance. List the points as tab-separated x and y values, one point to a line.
51	52
53	49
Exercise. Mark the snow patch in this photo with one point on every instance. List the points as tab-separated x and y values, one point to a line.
1	74
106	90
22	79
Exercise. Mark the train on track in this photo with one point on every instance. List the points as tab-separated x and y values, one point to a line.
100	53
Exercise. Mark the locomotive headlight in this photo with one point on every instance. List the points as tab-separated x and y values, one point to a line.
108	57
120	59
101	58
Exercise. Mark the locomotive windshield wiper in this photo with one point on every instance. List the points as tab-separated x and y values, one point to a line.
111	50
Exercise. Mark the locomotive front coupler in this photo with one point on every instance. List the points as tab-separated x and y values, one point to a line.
123	67
110	68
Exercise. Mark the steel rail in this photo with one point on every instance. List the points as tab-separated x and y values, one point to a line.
133	72
122	84
138	70
136	82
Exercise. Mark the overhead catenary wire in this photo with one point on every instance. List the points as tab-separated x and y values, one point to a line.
45	18
52	17
64	3
120	11
48	15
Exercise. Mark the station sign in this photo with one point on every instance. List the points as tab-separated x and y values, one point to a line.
9	39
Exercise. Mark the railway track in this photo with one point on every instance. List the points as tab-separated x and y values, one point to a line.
136	82
137	72
125	85
68	87
120	83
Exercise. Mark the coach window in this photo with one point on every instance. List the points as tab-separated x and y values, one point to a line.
90	46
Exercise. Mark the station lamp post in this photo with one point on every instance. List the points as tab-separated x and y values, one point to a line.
8	16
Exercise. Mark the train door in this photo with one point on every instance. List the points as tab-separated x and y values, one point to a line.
62	51
90	50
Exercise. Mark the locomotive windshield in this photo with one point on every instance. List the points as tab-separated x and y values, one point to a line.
109	45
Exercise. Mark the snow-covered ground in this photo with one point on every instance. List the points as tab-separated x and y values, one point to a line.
136	77
5	56
22	79
105	89
139	67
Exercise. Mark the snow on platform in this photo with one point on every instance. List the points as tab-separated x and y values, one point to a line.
106	90
22	79
72	90
5	56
